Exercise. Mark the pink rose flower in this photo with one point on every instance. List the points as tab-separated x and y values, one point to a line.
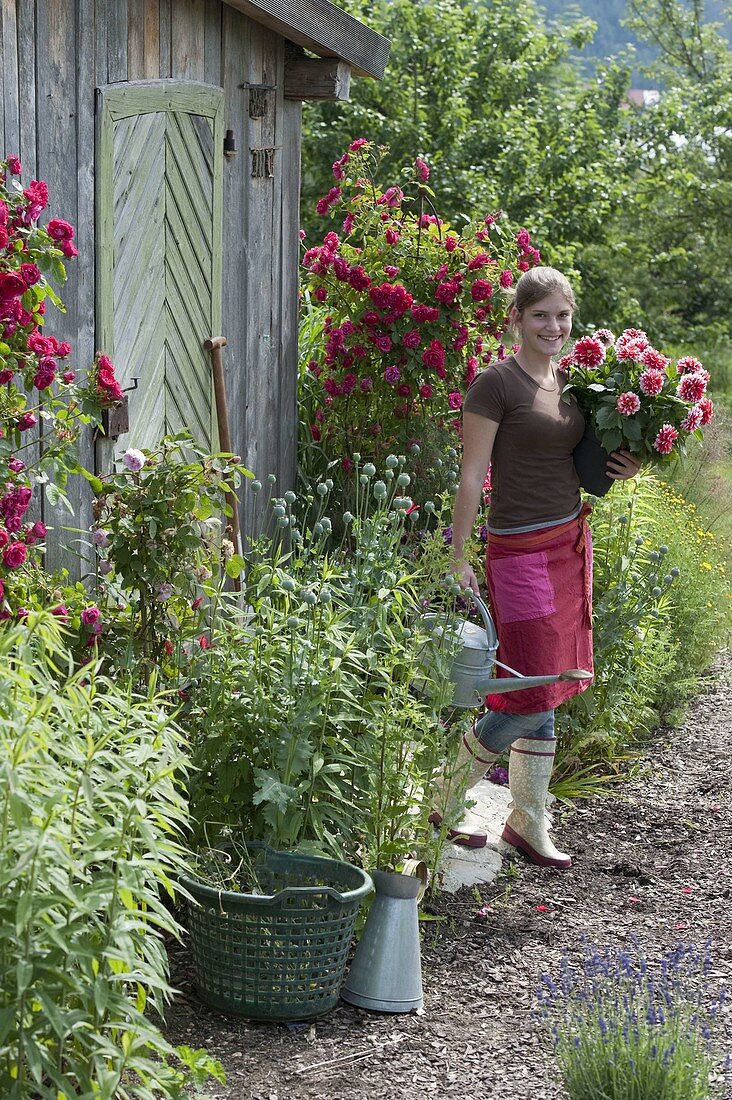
433	356
481	290
134	460
90	615
11	285
26	421
60	230
14	555
422	169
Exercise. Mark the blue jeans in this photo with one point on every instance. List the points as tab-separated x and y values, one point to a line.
496	730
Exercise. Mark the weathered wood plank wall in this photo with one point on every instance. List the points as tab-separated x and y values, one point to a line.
54	54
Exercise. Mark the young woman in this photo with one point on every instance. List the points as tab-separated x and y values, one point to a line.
539	556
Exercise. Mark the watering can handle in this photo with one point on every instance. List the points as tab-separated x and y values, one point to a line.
485	615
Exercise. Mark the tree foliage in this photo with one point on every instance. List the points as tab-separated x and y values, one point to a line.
633	201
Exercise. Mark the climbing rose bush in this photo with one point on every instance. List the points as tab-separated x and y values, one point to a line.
635	396
40	392
413	309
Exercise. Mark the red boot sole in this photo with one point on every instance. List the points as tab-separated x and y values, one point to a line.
517	841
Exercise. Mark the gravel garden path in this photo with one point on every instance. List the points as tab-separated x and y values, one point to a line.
654	862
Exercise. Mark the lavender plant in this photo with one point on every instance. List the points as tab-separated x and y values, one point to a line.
624	1029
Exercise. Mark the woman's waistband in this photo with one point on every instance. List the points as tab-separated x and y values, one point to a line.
522	540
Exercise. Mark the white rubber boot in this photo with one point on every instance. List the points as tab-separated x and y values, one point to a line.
474	761
529	772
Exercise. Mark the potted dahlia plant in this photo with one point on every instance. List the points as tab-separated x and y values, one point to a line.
635	398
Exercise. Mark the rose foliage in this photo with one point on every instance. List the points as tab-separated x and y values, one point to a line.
415	308
635	396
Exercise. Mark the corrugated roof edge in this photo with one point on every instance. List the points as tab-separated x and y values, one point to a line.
324	29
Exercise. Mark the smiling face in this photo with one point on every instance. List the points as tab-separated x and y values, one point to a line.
544	327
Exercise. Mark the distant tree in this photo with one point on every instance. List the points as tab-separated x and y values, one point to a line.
671	257
485	93
635	202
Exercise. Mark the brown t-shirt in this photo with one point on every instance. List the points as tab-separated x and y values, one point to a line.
533	475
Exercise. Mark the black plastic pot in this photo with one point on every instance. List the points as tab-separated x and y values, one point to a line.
590	462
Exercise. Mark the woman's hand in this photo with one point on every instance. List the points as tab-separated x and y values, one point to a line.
464	575
622	465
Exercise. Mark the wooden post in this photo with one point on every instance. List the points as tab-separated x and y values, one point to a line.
215	345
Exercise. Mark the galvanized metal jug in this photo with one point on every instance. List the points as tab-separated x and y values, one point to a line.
472	668
386	972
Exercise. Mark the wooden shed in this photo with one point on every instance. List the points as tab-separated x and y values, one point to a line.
168	132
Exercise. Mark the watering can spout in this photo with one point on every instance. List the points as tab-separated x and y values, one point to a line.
517	682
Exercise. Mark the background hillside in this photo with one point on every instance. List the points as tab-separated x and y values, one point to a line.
613	39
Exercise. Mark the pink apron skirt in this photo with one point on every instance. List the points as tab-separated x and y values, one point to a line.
540	584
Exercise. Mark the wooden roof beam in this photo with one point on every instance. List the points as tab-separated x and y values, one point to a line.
323	29
316	77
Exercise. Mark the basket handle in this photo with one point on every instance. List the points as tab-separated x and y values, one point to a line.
302	891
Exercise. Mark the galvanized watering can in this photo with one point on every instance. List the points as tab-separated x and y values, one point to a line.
472	668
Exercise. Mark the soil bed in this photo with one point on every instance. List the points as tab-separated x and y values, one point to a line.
652	862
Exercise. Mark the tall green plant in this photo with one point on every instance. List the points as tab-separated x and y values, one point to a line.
91	828
308	728
660	605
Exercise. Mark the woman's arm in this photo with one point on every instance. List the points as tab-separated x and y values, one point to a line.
479	435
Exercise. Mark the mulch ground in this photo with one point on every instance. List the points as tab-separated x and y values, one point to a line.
653	862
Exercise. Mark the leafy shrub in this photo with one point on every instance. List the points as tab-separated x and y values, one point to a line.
91	824
660	596
161	554
412	307
306	726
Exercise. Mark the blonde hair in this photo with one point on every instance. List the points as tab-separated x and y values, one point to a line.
538	283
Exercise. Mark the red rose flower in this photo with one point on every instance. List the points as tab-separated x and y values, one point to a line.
14	555
60	230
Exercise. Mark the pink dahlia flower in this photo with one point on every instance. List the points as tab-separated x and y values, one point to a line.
588	352
687	364
628	403
707	407
665	440
605	336
692	420
692	387
651	382
654	359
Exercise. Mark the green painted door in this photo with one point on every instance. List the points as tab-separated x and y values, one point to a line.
159	195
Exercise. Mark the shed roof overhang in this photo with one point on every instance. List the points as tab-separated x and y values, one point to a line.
324	29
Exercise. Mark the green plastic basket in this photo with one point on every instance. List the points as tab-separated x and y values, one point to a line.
279	955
